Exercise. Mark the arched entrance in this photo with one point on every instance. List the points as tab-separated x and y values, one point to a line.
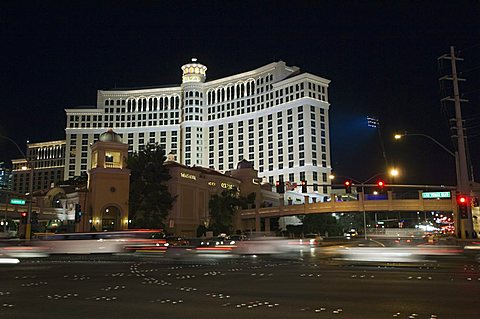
111	218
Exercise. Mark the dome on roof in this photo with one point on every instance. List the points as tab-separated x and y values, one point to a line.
244	164
170	157
110	136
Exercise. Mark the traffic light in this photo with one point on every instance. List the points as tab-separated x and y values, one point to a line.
23	217
380	184
348	186
304	186
78	213
463	203
280	187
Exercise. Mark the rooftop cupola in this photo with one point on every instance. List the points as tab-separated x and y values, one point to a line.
194	72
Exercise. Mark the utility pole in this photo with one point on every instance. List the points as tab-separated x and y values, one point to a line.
463	183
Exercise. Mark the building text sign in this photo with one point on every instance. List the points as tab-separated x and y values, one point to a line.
189	176
227	185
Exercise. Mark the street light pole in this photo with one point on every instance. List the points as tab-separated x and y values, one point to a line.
463	183
28	226
363	205
393	172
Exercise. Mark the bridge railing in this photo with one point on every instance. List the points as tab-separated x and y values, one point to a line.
401	201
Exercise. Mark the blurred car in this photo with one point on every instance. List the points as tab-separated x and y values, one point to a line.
236	238
23	251
219	245
374	252
174	241
473	249
263	246
311	239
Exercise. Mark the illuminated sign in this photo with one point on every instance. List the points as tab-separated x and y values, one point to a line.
191	78
436	195
226	185
17	201
189	176
213	184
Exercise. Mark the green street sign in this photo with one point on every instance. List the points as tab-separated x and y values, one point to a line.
427	195
17	201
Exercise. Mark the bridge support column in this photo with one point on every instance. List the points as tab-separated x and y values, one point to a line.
267	224
390	200
258	226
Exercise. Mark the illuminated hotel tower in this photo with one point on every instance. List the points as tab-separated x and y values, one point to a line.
274	116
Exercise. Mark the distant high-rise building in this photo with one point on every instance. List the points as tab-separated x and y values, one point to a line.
275	117
48	159
5	177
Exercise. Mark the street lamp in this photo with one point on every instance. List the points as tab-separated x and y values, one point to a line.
28	227
399	136
394	172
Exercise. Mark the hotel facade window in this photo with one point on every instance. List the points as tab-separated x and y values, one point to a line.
275	116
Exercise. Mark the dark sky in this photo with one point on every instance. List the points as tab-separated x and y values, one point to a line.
380	55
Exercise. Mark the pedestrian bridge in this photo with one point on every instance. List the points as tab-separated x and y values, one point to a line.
390	203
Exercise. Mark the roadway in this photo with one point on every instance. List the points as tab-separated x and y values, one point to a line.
304	285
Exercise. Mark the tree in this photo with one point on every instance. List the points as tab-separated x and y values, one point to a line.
150	200
222	207
321	224
351	220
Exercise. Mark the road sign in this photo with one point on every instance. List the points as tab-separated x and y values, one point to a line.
436	195
17	201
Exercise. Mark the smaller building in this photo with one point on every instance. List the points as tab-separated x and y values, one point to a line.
194	186
48	160
5	177
108	185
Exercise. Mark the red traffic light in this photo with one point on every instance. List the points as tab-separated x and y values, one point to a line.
462	199
23	214
348	186
381	183
304	183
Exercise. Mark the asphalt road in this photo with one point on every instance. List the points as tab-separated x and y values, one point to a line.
303	286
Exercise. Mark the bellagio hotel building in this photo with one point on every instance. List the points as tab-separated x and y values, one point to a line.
275	116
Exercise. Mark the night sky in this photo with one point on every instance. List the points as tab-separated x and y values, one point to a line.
381	57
